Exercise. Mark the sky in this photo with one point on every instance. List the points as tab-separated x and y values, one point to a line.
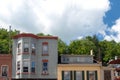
67	19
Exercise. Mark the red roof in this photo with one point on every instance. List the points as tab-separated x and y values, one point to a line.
34	36
115	61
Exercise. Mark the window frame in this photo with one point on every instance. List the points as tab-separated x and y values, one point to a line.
81	75
69	76
32	67
26	48
5	71
95	75
24	65
45	68
45	49
19	46
33	48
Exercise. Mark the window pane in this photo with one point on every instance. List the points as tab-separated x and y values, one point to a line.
25	66
33	64
26	44
4	70
25	63
25	69
19	45
67	75
18	65
92	75
33	48
45	66
79	75
45	49
33	67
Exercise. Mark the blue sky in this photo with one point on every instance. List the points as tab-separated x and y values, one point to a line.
113	14
67	19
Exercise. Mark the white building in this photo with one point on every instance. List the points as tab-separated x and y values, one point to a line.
34	57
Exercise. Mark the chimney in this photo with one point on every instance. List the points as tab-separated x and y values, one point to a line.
116	57
91	52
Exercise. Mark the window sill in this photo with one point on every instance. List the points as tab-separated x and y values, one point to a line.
18	53
44	73
18	73
33	53
33	73
45	54
25	52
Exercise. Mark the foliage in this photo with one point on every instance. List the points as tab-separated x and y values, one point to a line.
62	47
82	46
6	40
103	50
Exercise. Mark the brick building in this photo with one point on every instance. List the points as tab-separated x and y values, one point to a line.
5	66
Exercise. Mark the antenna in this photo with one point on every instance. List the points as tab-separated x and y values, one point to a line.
9	39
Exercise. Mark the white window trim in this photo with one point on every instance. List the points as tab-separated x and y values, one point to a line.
7	70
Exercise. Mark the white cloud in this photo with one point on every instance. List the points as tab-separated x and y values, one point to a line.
115	32
67	19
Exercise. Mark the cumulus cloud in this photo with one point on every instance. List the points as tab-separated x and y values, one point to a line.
114	32
68	19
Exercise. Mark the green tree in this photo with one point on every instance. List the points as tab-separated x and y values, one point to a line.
6	40
109	49
62	47
82	46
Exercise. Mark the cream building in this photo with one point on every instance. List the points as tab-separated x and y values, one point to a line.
82	67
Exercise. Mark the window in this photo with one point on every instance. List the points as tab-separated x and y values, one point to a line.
33	48
45	48
19	48
44	66
18	65
33	67
66	75
78	75
25	66
107	75
92	75
26	47
4	70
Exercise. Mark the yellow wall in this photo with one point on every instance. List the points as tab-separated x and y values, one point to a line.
79	67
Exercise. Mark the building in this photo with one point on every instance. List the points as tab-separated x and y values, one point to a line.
116	65
5	66
34	57
82	67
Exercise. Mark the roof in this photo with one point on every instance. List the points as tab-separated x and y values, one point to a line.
33	36
115	61
77	55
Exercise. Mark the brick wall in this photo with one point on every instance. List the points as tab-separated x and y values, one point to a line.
5	66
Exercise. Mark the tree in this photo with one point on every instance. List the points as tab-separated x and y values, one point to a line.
6	40
82	46
62	47
109	49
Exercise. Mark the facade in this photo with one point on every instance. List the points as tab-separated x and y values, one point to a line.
82	67
5	66
116	65
34	57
